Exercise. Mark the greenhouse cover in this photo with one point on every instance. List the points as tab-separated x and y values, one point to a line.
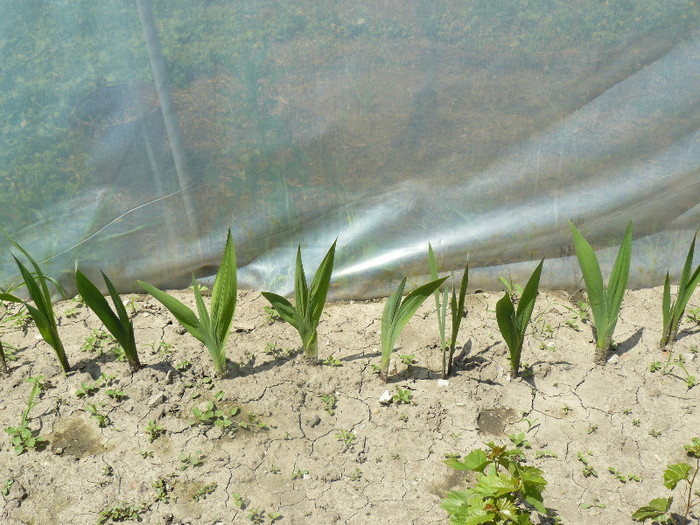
135	133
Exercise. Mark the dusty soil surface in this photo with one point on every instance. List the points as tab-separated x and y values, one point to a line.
319	447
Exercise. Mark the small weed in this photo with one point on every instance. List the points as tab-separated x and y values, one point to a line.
527	372
403	396
108	470
99	342
592	429
256	515
545	454
87	390
627	411
332	361
274	516
22	437
238	500
120	512
183	365
531	423
190	460
271	314
403	418
654	433
274	469
154	431
161	347
161	489
588	469
347	438
519	440
408	360
6	486
204	491
299	474
329	400
636	422
147	454
452	455
357	475
117	395
101	419
273	350
567	409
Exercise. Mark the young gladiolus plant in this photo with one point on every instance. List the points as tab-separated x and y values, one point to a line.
513	323
42	312
456	311
118	324
605	302
211	330
673	311
309	301
397	313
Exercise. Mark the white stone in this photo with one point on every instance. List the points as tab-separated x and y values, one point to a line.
385	398
614	359
443	383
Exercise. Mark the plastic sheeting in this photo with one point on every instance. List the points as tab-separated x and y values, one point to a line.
478	126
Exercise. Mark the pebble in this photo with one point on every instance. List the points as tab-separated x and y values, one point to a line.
314	421
614	359
443	383
156	399
385	398
169	377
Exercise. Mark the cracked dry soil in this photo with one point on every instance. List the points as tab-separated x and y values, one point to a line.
294	465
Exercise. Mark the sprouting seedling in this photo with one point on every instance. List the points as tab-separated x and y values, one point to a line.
456	311
3	361
397	313
605	301
309	301
513	323
42	312
673	311
658	509
211	330
119	324
23	438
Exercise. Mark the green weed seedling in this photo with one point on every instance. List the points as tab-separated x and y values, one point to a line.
408	360
204	491
99	342
22	437
396	315
309	301
332	361
347	438
117	395
161	488
402	396
668	367
299	473
544	453
122	511
212	416
212	330
42	312
513	323
694	316
329	400
3	361
505	488
658	510
605	302
101	419
673	311
238	500
6	487
588	469
154	430
116	321
456	301
622	478
256	515
190	460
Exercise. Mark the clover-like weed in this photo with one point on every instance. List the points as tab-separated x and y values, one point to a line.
212	330
658	509
305	316
456	311
402	396
605	302
117	321
397	313
513	323
191	460
673	311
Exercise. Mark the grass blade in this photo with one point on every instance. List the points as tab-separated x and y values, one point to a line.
224	293
592	278
507	323
389	313
527	300
320	285
301	291
182	313
284	308
617	283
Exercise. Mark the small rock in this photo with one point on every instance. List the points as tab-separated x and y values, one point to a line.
443	383
243	327
385	398
58	451
180	330
314	421
51	371
688	357
614	359
169	377
156	399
